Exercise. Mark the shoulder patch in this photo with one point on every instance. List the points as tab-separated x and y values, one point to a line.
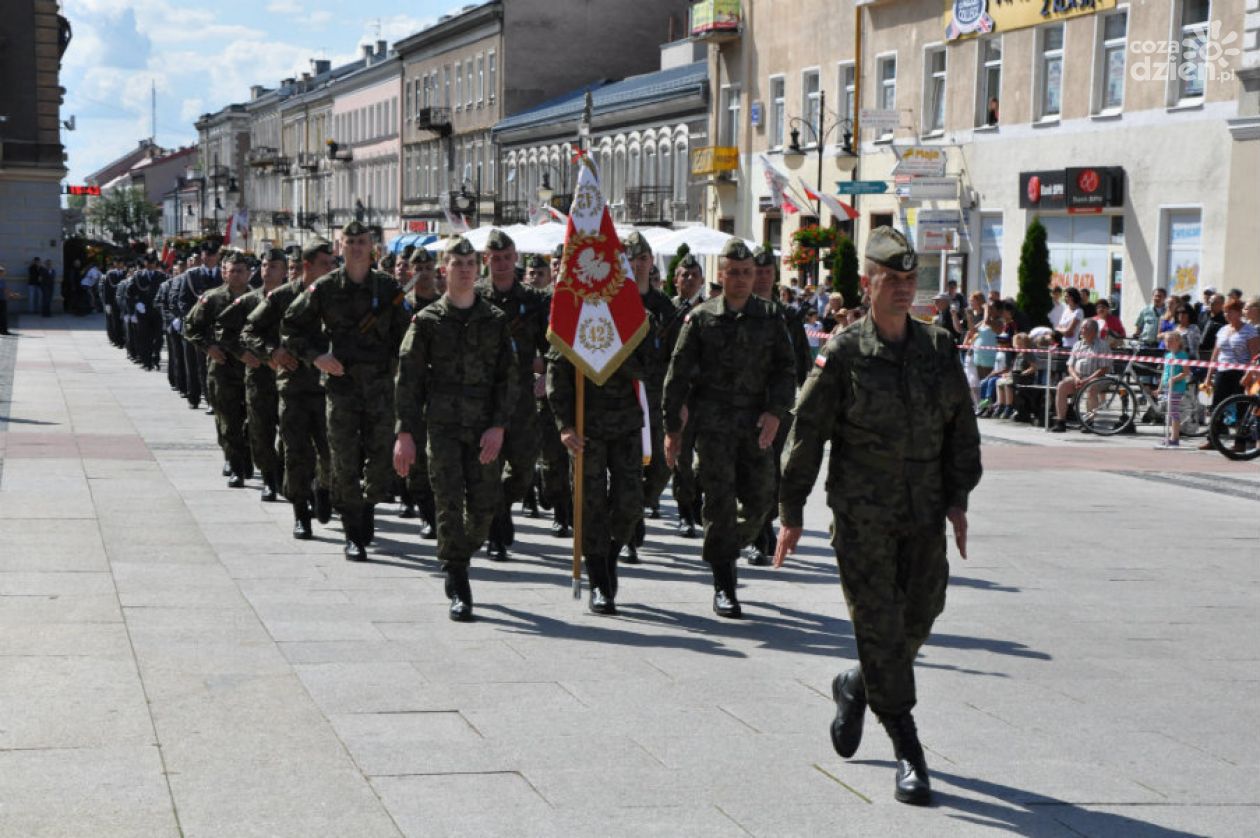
202	298
310	289
687	319
820	361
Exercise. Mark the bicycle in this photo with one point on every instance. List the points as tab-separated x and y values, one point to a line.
1235	426
1118	402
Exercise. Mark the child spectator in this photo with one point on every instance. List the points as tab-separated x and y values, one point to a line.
812	332
1174	386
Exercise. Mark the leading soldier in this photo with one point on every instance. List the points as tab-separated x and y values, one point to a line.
732	372
457	373
889	395
357	313
689	282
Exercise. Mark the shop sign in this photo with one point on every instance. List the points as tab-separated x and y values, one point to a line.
937	230
934	189
921	161
971	18
1042	190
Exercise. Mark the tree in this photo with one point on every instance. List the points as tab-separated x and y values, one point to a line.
845	276
1034	275
125	214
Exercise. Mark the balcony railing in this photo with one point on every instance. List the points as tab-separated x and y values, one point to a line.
307	220
649	204
511	212
434	119
265	156
308	160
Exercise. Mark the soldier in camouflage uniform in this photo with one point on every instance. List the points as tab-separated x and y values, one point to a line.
458	375
553	487
732	370
527	312
303	420
889	395
689	280
262	399
359	312
225	373
417	489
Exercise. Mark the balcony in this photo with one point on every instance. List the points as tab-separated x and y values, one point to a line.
649	204
282	219
308	220
437	120
308	160
716	21
265	157
511	212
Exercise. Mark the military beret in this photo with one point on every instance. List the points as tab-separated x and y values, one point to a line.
888	247
635	245
736	249
421	256
315	248
210	246
689	262
457	246
232	256
274	254
354	228
387	262
499	240
763	257
537	262
558	253
150	257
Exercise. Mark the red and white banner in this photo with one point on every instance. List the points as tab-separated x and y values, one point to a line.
597	315
839	209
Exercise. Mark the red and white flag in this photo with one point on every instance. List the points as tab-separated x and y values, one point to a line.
839	209
597	315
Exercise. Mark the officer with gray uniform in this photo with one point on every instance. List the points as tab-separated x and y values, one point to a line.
195	282
889	395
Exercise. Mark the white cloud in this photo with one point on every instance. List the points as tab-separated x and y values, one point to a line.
284	7
319	18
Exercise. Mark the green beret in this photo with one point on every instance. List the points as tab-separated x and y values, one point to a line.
689	262
888	247
737	250
315	248
763	257
635	245
458	246
499	240
537	262
232	255
355	228
387	262
274	254
421	256
558	253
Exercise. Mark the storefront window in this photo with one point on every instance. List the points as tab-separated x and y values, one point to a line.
1183	236
1080	255
990	268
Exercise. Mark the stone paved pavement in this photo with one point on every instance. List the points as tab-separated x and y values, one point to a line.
173	662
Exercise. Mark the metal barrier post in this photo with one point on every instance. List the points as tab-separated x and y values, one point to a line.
1049	370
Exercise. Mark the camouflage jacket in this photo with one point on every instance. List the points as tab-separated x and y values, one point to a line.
201	327
527	311
261	335
904	441
729	367
360	323
455	369
611	410
801	354
664	323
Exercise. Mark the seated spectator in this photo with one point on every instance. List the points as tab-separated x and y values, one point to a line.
988	394
1083	366
1022	372
1110	328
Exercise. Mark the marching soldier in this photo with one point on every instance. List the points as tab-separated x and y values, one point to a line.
195	282
225	372
458	373
359	312
417	487
527	311
732	371
174	343
889	395
689	282
108	290
141	297
303	422
538	273
262	399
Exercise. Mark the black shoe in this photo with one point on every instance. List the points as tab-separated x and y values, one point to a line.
406	510
227	469
268	489
235	480
913	784
369	523
496	551
601	601
754	556
209	411
428	529
656	512
557	527
1059	427
629	554
460	593
351	522
640	533
322	506
725	603
302	521
849	692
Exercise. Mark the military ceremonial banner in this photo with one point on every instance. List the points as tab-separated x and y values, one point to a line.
597	315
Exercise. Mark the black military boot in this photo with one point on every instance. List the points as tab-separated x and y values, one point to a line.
352	524
301	521
530	503
725	603
459	592
629	554
686	521
496	543
601	601
369	523
913	785
561	520
236	475
322	505
753	555
406	505
428	516
640	533
849	691
227	468
655	514
269	492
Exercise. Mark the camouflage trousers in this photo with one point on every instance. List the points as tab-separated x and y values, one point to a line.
737	478
417	483
262	402
656	472
554	458
520	447
685	494
304	433
612	491
894	577
361	435
226	394
466	493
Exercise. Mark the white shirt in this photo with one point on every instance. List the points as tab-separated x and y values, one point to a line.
1070	321
1056	313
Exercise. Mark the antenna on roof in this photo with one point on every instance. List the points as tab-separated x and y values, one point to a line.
376	24
153	111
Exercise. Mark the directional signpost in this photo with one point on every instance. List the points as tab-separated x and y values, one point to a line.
861	187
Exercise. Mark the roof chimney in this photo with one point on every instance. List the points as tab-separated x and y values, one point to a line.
380	47
256	90
321	66
367	50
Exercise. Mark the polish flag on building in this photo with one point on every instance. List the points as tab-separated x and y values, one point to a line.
597	315
839	209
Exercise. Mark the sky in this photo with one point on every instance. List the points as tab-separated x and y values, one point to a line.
201	56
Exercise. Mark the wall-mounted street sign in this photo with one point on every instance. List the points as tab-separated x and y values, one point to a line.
862	187
934	189
921	161
879	120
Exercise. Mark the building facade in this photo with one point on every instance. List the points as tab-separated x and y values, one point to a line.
221	172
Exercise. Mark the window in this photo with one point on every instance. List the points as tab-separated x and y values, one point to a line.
730	116
847	88
811	106
887	75
1110	69
1183	236
481	80
1191	68
411	86
990	81
468	84
446	86
934	90
490	71
990	262
777	112
459	85
1050	73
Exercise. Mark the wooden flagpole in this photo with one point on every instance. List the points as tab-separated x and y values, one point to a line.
579	383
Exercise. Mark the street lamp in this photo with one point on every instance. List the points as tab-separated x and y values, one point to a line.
820	135
545	192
